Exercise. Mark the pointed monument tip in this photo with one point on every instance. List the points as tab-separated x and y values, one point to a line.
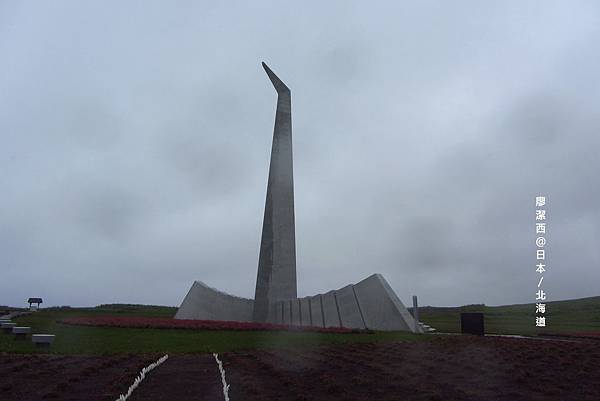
267	69
277	83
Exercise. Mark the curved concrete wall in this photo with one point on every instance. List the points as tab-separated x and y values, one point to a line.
370	304
295	312
350	312
287	312
305	317
205	303
316	311
330	309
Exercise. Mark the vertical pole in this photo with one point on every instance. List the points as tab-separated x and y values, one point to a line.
416	313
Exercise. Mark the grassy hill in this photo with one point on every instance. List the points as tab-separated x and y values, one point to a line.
107	340
579	315
576	315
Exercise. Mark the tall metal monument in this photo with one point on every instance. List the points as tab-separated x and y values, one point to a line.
276	278
370	303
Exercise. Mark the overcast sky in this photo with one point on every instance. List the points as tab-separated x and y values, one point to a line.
136	140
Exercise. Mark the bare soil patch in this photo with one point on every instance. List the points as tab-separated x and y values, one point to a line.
72	378
445	368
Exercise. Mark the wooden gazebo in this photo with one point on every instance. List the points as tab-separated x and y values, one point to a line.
37	301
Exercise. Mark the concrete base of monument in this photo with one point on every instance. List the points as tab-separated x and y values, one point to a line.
205	303
370	304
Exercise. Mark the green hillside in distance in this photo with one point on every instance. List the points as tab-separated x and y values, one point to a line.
568	316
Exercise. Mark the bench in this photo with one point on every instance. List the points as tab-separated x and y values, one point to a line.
42	340
7	327
21	332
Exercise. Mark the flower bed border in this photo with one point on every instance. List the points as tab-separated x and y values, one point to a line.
187	324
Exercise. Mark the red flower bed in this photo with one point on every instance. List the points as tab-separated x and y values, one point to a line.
166	323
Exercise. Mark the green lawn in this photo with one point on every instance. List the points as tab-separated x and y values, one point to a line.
105	340
578	315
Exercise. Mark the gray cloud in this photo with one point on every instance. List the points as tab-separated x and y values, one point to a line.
136	144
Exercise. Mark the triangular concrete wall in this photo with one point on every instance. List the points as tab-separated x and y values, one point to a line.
205	303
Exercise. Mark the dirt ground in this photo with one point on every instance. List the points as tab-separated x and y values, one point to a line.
72	378
446	368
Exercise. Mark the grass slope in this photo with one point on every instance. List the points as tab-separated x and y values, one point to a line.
107	340
577	315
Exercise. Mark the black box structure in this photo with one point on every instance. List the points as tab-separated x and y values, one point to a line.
472	323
